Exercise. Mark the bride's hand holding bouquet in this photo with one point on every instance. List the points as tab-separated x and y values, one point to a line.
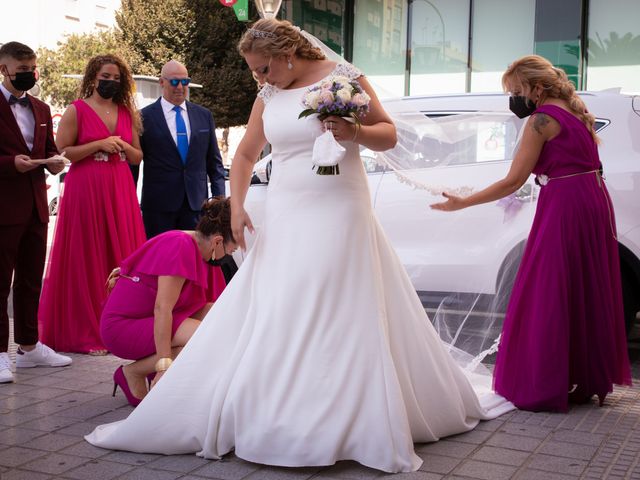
339	103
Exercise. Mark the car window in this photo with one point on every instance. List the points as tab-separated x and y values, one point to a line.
449	139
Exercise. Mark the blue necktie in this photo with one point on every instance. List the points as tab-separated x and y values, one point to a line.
181	134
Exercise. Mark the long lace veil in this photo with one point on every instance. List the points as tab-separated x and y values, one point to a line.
468	313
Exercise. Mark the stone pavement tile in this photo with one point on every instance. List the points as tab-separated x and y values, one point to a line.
224	469
98	470
491	425
531	474
45	393
504	456
570	450
413	476
49	423
46	408
130	458
526	430
38	381
148	474
178	463
281	473
12	419
582	438
80	429
98	408
514	442
122	412
85	449
484	470
549	463
54	463
15	388
15	402
448	448
438	463
15	456
52	442
24	475
348	469
474	436
18	435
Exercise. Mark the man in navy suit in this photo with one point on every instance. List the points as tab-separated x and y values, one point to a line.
180	151
26	149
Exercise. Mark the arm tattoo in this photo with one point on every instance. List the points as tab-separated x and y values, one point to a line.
539	122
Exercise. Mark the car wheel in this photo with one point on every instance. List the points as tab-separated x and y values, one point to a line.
53	207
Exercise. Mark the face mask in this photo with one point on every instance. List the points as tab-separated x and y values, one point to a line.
521	106
216	262
24	81
108	88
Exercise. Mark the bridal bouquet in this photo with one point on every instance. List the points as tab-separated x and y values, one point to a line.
341	97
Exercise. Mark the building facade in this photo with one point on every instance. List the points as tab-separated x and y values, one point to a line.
412	47
44	23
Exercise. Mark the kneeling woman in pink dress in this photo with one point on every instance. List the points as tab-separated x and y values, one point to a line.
160	294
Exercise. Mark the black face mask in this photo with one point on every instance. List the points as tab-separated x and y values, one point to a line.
216	262
108	88
521	106
24	81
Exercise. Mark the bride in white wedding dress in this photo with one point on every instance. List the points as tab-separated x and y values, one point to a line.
319	350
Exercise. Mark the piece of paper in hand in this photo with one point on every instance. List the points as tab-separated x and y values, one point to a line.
326	151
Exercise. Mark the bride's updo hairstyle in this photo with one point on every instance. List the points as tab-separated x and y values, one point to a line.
277	38
525	74
216	218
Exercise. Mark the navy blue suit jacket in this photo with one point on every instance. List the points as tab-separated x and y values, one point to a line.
165	179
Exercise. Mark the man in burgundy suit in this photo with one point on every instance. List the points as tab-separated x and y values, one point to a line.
26	149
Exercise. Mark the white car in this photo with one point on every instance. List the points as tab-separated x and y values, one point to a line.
477	250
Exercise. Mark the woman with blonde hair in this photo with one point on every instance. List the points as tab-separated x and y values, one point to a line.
563	338
319	350
99	221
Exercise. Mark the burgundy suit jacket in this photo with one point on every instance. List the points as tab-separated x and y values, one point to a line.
20	191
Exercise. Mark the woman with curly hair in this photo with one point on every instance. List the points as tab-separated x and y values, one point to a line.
99	222
563	339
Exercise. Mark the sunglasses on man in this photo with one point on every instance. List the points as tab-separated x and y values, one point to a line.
175	81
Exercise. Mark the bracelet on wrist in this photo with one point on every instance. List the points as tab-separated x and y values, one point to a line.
356	132
163	364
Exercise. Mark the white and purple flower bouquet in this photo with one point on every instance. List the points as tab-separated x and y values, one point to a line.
341	97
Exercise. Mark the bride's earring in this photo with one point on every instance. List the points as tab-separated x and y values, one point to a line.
289	64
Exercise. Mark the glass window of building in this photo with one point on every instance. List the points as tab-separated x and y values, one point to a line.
613	46
502	33
322	18
380	43
439	46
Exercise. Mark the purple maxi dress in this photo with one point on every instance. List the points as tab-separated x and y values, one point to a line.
564	329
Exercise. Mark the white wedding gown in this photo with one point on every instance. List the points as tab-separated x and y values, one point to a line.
319	350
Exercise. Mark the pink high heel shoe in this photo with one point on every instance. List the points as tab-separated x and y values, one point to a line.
119	380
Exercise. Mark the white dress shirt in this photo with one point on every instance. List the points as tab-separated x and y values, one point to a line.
25	118
170	117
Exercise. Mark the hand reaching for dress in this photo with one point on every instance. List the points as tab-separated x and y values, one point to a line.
240	219
453	203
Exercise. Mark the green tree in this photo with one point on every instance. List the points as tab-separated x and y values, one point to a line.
213	60
156	31
71	58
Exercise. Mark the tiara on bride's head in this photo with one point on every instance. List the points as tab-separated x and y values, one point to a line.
260	33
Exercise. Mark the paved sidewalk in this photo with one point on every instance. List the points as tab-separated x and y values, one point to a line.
44	415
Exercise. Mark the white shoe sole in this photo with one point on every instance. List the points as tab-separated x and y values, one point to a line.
7	380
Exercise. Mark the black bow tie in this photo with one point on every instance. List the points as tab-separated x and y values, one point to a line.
24	101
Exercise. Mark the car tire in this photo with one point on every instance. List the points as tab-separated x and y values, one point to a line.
53	207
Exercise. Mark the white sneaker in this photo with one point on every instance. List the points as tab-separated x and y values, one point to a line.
41	356
6	375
